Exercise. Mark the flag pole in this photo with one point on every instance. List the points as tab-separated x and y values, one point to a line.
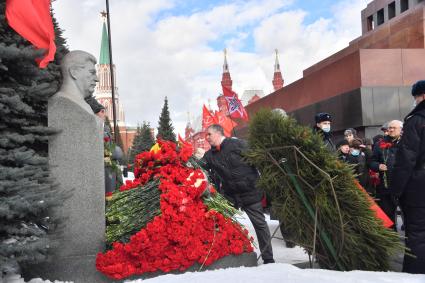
114	112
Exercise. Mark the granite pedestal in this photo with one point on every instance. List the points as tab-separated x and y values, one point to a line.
76	160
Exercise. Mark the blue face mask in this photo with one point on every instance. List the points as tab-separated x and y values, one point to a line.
355	152
326	128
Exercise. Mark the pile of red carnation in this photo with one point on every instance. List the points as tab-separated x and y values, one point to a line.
186	232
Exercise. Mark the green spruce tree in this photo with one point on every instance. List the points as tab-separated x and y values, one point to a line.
133	148
166	129
27	192
143	140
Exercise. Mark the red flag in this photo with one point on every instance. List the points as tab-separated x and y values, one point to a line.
32	20
207	118
236	109
225	122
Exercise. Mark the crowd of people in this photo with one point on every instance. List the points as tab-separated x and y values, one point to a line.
391	167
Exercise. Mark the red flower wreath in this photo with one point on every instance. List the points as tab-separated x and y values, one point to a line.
185	233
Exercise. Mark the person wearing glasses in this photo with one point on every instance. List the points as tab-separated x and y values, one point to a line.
382	161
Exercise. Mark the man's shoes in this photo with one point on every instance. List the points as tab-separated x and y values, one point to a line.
267	261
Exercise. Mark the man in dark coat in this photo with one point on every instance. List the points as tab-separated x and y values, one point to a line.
408	181
238	182
382	161
113	175
323	127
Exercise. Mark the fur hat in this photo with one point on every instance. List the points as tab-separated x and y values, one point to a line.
322	116
418	88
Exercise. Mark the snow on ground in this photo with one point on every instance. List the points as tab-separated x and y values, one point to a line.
281	253
282	271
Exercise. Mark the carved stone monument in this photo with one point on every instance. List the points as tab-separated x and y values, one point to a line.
76	159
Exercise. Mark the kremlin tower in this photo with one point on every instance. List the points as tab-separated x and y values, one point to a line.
197	136
226	81
103	90
277	77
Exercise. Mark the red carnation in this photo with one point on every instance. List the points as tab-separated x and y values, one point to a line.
385	145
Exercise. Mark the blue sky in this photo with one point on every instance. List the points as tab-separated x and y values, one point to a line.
174	48
314	9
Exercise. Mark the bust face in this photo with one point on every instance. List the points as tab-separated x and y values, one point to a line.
86	78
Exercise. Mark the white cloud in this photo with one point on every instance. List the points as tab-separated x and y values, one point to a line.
302	45
174	56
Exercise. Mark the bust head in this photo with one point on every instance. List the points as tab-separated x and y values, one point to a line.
79	73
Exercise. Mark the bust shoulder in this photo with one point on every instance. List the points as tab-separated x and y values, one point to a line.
63	98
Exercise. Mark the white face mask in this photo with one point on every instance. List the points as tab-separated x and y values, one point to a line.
326	128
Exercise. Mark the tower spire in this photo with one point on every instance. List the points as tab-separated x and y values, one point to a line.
276	62
104	46
277	76
225	65
104	86
188	131
226	80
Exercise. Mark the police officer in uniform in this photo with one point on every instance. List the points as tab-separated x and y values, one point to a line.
408	181
323	127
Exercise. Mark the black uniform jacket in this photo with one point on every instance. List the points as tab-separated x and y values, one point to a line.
408	178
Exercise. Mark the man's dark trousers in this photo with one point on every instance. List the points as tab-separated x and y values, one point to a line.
256	216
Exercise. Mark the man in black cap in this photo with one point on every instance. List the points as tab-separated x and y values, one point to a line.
384	129
408	181
323	127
